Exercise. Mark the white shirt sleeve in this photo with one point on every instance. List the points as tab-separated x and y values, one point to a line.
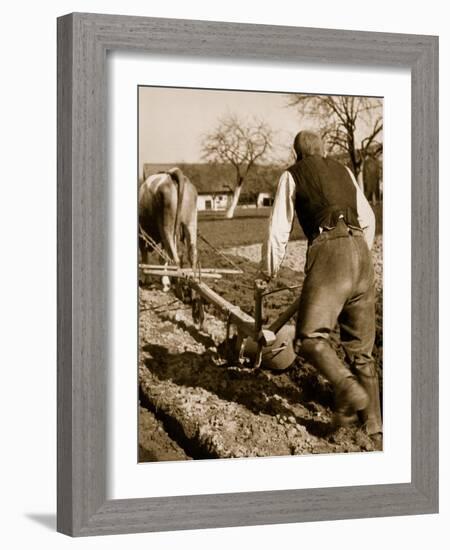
279	227
366	216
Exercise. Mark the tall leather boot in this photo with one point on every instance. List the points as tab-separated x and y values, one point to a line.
371	415
350	395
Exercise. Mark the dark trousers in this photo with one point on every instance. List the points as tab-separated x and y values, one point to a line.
338	289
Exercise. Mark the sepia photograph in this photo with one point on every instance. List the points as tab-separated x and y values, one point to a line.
260	244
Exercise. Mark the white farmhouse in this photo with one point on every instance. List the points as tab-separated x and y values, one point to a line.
264	198
214	200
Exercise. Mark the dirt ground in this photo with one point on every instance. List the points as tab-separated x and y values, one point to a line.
195	405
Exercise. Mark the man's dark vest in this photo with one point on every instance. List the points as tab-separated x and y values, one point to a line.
325	192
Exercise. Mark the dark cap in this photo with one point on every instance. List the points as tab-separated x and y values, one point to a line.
307	143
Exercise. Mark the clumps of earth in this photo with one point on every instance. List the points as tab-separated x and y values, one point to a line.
193	404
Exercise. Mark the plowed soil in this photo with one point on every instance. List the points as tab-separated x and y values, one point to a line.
195	405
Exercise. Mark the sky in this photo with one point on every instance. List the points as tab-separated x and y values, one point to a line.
172	121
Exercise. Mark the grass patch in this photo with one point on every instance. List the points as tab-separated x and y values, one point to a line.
249	226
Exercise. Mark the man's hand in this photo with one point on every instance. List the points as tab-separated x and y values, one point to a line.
264	276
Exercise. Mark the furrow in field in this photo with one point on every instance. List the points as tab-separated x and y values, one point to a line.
215	411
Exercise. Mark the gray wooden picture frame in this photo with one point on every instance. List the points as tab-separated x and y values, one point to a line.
83	41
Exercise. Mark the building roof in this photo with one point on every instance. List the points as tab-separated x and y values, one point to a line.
151	168
209	192
216	178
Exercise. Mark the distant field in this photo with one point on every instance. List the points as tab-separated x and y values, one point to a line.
241	212
249	226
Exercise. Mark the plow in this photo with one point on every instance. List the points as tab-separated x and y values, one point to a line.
249	340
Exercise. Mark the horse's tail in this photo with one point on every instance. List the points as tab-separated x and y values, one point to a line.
178	177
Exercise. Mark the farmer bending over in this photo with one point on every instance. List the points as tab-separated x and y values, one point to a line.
339	278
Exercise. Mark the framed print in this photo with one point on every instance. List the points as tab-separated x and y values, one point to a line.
160	98
237	145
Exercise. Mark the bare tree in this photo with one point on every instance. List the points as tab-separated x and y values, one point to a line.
349	125
241	144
